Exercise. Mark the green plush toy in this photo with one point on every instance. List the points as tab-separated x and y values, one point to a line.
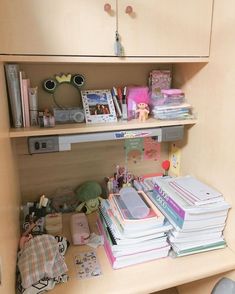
89	195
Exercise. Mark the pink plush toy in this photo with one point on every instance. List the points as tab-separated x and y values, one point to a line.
142	111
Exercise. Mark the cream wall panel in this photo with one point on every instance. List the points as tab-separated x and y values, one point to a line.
44	173
209	153
79	27
10	199
165	28
57	27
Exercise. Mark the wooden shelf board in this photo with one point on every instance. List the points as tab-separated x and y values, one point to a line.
93	128
101	59
146	277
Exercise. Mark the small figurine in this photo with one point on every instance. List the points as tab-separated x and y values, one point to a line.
142	111
48	118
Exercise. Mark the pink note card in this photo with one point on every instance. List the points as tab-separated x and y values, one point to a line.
152	149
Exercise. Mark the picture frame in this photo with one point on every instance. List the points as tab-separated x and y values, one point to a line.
98	106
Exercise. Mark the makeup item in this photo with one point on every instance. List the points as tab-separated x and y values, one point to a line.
33	106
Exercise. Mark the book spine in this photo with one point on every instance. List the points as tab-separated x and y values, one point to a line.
13	85
109	218
107	246
160	201
22	96
116	212
171	203
26	84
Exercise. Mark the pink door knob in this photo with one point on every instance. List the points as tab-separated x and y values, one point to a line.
129	9
107	7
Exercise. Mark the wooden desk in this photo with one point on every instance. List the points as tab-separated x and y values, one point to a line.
143	278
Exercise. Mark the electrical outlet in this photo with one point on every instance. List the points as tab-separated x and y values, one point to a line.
44	144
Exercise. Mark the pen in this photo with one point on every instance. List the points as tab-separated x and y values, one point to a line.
119	91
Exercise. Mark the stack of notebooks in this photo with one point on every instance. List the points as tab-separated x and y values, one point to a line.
170	104
197	212
129	240
165	112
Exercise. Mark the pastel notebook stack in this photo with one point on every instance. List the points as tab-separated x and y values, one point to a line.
197	212
129	240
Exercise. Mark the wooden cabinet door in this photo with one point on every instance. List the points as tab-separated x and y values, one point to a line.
165	28
57	27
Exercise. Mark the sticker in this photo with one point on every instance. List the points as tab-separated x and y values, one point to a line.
151	149
131	134
134	149
87	265
174	158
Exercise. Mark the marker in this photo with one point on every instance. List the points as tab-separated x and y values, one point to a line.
124	105
115	100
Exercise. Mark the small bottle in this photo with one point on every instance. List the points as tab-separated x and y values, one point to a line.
33	106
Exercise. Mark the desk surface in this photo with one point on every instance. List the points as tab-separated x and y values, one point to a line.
143	278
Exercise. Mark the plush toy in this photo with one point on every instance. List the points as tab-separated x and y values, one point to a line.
89	195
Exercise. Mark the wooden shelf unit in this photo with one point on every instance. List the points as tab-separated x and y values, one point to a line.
97	59
92	128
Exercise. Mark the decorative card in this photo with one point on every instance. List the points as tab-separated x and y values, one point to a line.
134	149
151	149
174	158
98	106
87	265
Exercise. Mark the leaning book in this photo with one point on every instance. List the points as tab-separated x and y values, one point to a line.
13	86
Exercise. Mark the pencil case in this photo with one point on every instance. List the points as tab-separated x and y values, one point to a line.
80	231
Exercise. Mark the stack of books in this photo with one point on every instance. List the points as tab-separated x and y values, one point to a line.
129	240
22	97
197	212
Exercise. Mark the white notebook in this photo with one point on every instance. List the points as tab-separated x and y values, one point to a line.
198	189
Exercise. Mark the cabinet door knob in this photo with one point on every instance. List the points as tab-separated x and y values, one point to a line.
129	10
107	7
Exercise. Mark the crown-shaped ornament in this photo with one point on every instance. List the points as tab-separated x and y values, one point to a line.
63	78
